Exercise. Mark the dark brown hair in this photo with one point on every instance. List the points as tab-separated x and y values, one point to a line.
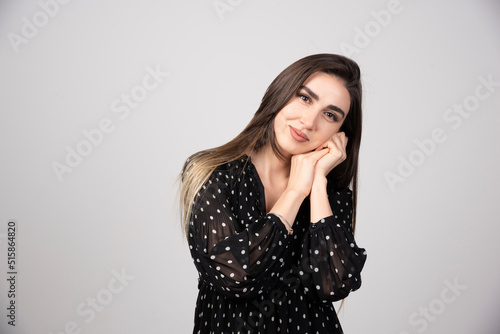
260	130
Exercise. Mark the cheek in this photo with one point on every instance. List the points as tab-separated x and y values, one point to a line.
283	116
290	111
287	112
278	122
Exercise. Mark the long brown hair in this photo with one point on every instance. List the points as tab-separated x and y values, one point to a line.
260	131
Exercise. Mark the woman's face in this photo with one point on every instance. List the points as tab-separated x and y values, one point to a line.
313	115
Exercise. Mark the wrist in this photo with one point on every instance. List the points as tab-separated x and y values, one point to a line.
319	183
295	194
320	205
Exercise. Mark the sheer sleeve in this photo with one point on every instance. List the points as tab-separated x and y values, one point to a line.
234	249
331	260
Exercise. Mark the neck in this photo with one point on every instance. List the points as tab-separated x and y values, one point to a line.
269	165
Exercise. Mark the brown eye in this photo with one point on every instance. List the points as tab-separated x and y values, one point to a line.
332	116
304	98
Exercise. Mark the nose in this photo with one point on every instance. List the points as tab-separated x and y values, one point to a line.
308	118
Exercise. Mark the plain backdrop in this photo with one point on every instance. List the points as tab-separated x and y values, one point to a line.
99	248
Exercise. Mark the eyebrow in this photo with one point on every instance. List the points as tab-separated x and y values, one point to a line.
315	97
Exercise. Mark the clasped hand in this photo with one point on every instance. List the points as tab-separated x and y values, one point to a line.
311	167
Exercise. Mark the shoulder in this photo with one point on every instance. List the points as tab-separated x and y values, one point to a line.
232	170
228	175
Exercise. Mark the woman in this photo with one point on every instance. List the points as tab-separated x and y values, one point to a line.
269	216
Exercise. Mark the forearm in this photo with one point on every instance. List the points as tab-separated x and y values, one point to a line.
287	206
337	260
320	206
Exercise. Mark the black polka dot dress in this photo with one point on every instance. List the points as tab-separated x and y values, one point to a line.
256	278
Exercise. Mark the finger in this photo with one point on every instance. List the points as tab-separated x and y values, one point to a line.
341	139
309	156
338	135
325	145
344	139
340	142
337	143
330	143
314	156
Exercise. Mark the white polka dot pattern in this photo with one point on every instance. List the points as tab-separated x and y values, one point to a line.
253	276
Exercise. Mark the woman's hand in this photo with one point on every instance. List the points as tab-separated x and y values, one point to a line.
336	153
302	171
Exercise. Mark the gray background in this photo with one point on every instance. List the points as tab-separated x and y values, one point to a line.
116	211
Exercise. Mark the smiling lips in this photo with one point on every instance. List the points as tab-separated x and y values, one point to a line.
298	135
